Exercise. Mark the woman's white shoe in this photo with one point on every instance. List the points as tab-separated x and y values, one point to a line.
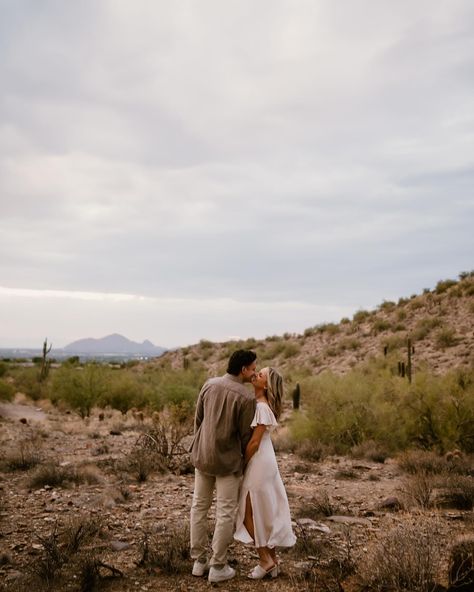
258	572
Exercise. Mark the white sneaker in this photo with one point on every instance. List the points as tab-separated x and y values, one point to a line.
199	568
221	575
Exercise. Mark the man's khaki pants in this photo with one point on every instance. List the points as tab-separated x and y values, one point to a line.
227	492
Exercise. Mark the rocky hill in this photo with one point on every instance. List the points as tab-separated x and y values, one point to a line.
439	322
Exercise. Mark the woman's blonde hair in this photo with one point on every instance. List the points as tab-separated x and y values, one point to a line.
274	391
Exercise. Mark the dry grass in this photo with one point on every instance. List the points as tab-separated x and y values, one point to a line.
168	551
370	450
406	559
418	490
62	476
319	506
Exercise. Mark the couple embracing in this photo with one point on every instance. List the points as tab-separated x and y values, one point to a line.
232	435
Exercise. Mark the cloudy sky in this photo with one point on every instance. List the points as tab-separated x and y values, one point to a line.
213	169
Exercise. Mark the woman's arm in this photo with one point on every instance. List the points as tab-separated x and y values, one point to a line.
254	442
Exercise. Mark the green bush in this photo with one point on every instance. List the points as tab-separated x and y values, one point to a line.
3	368
444	285
81	388
372	403
291	350
275	349
381	325
26	380
164	387
446	338
6	391
387	305
360	316
424	327
123	392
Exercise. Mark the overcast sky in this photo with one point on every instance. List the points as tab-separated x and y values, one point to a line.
214	169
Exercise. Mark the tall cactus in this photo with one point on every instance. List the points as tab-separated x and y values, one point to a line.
45	363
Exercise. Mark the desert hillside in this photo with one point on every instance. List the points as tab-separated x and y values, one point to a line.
439	322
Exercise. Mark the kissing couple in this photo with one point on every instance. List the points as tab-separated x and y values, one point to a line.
232	428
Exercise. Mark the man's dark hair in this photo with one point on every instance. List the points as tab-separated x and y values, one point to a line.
239	359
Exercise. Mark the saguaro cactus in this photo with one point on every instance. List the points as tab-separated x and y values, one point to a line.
45	363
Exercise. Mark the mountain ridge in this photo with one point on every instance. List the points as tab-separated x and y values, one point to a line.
114	343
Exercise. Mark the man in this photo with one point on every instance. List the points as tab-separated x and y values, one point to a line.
224	412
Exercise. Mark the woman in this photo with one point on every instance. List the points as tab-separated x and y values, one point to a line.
263	515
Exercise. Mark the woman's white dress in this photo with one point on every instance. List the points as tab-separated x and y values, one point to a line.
262	480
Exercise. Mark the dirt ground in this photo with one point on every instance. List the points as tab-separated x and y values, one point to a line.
129	509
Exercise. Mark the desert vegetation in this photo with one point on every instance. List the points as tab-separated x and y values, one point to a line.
96	485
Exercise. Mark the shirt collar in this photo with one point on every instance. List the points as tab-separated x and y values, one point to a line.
234	378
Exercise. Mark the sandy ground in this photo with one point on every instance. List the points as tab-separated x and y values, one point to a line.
129	510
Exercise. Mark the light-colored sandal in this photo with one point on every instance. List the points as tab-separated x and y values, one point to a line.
258	573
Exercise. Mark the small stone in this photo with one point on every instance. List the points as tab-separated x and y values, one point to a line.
119	545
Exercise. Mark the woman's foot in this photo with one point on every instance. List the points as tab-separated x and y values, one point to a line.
259	572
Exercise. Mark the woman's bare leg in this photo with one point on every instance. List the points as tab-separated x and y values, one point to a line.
248	517
264	553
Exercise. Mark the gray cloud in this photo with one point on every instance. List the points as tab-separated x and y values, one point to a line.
318	154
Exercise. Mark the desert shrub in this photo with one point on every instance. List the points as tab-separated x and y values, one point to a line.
426	462
141	462
401	314
370	450
291	350
206	344
345	321
461	565
444	285
311	450
406	558
51	559
319	506
26	455
372	403
331	351
418	490
349	344
64	550
79	531
360	316
424	327
124	392
395	342
326	565
446	338
329	328
275	349
162	446
7	391
167	386
168	551
381	325
80	388
455	491
387	305
416	303
27	381
56	476
3	368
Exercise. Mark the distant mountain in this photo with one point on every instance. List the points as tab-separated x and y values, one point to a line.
114	344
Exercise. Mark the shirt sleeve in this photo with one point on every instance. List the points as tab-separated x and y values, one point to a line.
264	416
199	414
245	430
